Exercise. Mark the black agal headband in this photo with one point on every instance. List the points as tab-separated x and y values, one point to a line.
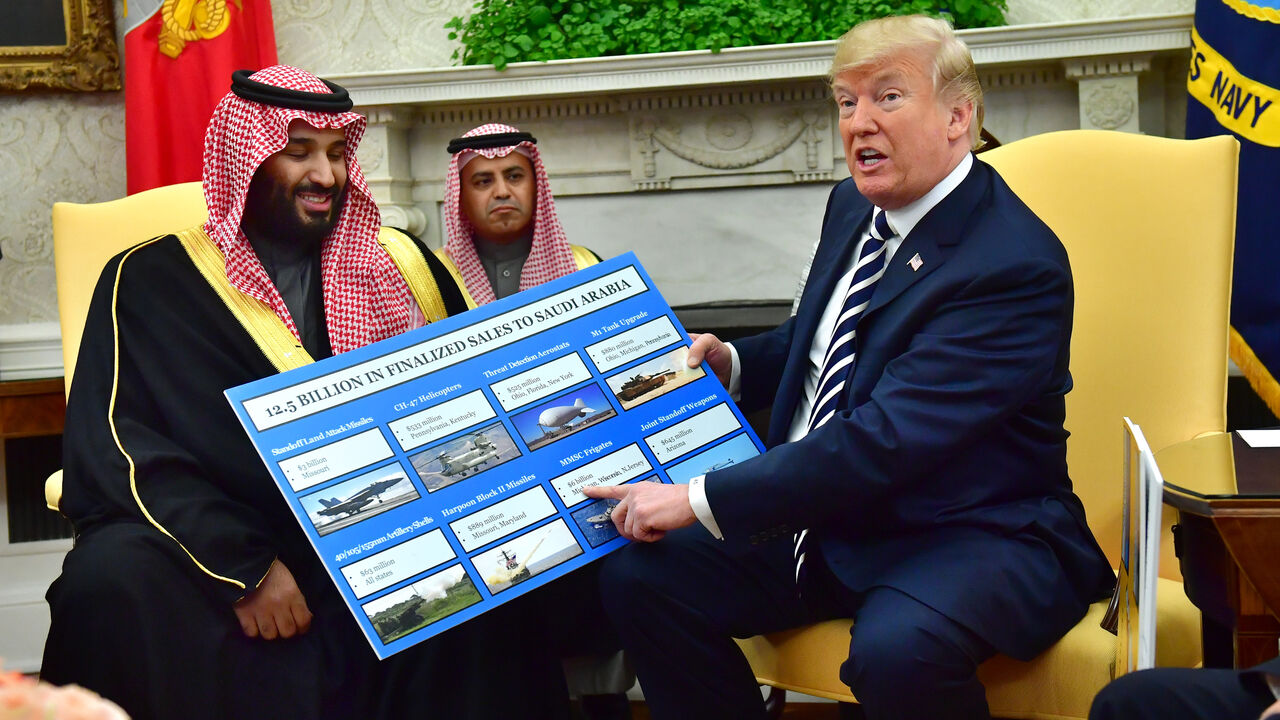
484	142
337	101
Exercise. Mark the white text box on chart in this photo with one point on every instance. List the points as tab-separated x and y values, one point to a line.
691	434
441	420
399	563
335	459
542	381
635	343
503	518
612	469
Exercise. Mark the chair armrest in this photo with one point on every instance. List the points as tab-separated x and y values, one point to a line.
53	490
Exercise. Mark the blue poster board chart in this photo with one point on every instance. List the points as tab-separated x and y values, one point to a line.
438	474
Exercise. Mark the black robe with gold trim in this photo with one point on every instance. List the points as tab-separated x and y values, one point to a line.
177	518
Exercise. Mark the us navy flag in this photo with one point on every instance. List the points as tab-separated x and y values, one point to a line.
1232	82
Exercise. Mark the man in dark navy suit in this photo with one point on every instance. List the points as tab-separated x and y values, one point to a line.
1192	694
916	475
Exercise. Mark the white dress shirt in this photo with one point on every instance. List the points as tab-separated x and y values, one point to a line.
902	221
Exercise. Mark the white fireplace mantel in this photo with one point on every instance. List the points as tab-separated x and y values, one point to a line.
991	48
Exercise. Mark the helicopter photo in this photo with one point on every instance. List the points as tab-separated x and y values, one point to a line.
465	456
482	450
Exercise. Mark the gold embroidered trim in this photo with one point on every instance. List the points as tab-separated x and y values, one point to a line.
404	253
457	277
583	257
268	331
111	421
1256	12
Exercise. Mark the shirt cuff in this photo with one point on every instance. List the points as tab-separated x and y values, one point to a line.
701	508
735	375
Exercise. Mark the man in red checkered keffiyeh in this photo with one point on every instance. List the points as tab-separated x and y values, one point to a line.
364	298
198	585
500	218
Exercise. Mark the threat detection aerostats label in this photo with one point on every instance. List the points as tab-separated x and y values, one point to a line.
439	474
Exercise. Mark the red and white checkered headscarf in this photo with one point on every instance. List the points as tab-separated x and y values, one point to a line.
365	297
549	257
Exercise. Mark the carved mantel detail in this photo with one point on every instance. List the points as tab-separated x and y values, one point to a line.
754	145
384	158
748	145
1110	105
1108	89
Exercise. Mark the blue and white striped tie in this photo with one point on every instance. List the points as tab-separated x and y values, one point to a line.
840	353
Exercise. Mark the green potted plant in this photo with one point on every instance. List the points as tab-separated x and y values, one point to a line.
499	32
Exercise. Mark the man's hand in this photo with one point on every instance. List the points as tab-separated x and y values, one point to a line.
707	346
275	608
1271	712
647	510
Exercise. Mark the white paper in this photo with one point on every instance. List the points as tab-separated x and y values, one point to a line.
1261	438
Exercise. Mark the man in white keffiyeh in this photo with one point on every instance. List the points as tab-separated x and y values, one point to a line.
504	237
500	218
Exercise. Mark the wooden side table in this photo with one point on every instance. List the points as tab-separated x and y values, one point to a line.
1228	498
31	422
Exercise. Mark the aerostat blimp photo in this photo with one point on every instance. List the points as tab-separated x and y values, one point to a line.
562	416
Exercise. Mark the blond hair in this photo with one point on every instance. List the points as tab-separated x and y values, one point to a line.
954	76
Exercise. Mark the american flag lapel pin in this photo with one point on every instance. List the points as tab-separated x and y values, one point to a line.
915	262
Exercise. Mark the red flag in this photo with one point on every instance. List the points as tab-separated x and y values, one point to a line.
179	55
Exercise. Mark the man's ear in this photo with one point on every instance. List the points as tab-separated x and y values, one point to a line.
961	116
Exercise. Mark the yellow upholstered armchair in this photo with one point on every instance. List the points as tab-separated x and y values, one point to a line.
86	236
1149	225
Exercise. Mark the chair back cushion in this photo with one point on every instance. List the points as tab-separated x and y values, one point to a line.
1149	225
86	236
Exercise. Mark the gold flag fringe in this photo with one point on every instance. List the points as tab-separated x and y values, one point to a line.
1259	377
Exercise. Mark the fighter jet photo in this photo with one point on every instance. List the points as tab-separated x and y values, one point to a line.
359	498
357	502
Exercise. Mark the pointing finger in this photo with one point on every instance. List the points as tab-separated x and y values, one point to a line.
610	492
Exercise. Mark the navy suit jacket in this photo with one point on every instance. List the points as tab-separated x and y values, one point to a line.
943	474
